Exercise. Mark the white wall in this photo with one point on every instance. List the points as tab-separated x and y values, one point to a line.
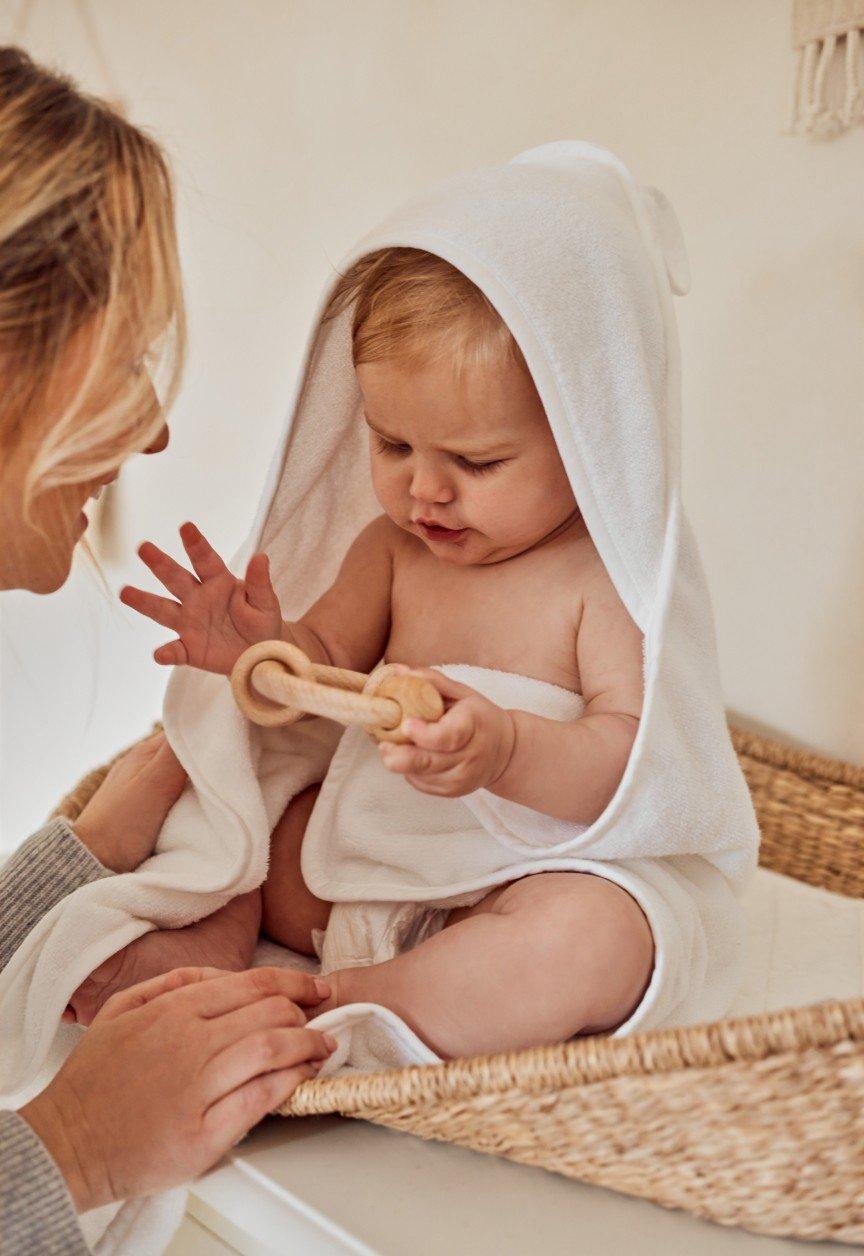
295	125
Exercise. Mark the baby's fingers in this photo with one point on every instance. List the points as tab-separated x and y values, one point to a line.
409	759
171	654
202	555
160	609
259	587
449	733
176	579
448	688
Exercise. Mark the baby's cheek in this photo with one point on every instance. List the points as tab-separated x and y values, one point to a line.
386	487
512	512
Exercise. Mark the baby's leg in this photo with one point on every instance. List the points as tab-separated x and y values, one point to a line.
542	959
226	940
290	909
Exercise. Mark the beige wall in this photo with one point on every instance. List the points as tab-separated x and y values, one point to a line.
294	126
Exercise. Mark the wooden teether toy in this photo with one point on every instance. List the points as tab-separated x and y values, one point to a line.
274	684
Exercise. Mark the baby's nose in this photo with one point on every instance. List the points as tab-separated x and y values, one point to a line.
428	486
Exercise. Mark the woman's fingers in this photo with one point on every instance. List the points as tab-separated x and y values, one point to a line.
204	559
211	992
236	990
275	1012
168	571
266	1051
172	653
160	609
226	1122
146	991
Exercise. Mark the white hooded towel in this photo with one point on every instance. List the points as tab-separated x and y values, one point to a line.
581	263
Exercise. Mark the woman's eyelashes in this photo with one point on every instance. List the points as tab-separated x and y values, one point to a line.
475	468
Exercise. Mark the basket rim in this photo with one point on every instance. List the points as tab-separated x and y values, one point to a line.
806	763
583	1061
718	1044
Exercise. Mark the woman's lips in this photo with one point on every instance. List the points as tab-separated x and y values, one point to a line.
435	532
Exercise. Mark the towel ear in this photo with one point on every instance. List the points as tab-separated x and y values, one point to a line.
667	229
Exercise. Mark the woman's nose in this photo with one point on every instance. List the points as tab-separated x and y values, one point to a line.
161	441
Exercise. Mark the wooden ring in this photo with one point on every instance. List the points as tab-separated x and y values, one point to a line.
260	710
414	695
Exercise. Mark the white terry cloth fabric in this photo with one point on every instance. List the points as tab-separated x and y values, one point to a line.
394	861
581	262
373	836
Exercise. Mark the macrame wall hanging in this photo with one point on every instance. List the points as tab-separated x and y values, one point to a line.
829	82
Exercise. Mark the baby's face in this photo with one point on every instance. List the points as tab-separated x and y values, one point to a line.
476	458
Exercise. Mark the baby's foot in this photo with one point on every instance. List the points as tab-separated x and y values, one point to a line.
226	940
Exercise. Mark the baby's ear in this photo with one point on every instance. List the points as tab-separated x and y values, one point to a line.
667	231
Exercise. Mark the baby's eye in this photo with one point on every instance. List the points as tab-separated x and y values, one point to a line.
478	468
390	447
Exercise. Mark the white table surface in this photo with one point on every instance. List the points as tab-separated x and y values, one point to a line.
326	1186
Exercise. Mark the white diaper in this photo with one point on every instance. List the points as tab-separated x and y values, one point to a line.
358	934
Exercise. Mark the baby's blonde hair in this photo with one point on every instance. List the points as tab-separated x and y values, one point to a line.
87	245
412	306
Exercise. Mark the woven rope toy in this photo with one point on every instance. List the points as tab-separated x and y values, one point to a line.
274	684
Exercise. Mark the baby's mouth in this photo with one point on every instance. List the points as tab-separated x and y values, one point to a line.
436	532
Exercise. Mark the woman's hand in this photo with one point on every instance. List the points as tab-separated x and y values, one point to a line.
216	616
468	748
171	1074
121	822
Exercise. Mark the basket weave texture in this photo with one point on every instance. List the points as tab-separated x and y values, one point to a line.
755	1122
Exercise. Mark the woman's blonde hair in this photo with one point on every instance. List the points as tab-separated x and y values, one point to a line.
412	306
87	246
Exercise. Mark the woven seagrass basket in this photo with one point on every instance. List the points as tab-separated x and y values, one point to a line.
756	1122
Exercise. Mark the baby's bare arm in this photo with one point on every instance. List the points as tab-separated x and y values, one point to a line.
349	624
571	770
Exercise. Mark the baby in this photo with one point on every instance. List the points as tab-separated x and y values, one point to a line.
480	531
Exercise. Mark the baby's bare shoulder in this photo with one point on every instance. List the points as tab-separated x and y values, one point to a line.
374	548
595	578
380	531
583	574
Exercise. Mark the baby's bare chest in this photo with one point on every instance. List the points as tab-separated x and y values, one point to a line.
520	616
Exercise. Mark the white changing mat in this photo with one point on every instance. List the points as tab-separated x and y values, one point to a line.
803	945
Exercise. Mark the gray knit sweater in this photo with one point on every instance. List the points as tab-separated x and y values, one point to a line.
37	1216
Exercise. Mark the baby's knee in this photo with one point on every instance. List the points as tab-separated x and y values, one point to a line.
594	941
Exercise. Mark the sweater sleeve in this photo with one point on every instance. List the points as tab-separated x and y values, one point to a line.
48	866
36	1209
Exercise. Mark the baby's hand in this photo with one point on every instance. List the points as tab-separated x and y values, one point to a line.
216	616
468	748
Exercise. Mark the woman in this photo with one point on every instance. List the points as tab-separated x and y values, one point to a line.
173	1071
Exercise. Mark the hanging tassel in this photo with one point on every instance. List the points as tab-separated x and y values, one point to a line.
853	105
827	37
